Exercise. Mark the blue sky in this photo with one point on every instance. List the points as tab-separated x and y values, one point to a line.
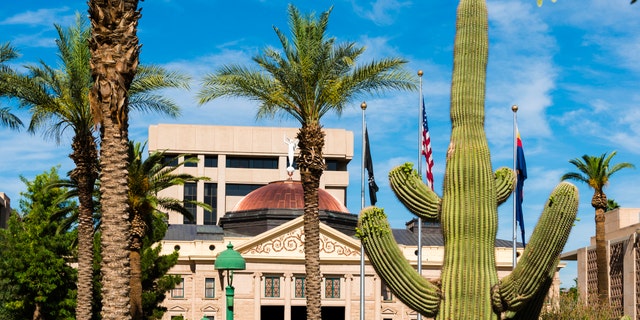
572	68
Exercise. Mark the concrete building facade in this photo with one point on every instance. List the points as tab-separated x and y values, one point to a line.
238	160
269	234
622	233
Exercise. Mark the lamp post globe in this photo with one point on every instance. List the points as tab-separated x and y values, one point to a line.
230	260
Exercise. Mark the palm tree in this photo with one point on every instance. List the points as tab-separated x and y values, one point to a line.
59	100
311	77
146	179
7	119
114	61
612	205
595	172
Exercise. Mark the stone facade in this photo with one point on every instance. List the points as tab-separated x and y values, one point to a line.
622	228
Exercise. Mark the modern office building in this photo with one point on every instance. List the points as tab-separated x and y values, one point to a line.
5	209
622	233
258	209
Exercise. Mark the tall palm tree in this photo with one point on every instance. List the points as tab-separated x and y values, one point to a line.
146	179
311	77
58	100
115	54
7	119
595	172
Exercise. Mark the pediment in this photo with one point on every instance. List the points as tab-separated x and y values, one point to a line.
209	308
177	309
388	311
287	242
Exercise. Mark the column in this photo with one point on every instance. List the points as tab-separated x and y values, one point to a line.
348	291
287	279
257	284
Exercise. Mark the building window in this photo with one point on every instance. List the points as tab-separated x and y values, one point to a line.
299	289
209	288
211	198
240	189
178	291
252	163
170	160
193	164
336	165
211	161
272	286
332	287
180	317
387	295
208	318
190	194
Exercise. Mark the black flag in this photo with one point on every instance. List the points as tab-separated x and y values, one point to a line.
368	164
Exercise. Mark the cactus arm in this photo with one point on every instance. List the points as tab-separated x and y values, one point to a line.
540	256
505	183
533	308
387	259
416	196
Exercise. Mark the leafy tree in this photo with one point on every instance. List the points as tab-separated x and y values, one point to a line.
146	179
309	78
595	171
155	280
36	279
59	100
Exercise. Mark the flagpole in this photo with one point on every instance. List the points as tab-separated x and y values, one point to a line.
363	106
514	108
420	73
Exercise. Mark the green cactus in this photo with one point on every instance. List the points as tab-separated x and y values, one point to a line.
469	287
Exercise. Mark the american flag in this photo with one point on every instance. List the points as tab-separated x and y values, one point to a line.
426	146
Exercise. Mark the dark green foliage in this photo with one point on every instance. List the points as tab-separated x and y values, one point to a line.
36	280
155	281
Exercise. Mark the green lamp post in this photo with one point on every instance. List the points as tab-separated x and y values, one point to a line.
230	260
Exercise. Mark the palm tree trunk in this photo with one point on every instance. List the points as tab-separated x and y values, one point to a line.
85	157
599	202
311	165
114	60
136	285
137	234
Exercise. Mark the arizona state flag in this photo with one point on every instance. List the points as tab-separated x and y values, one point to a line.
368	164
521	172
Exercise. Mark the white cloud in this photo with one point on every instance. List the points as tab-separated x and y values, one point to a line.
381	12
41	17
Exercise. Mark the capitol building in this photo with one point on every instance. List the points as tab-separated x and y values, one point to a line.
257	207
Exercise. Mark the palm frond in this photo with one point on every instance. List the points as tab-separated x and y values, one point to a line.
309	76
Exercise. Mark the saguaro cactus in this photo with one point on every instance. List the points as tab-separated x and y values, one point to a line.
469	287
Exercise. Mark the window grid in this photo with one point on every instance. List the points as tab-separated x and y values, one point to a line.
299	287
190	194
272	287
209	288
211	161
178	291
191	164
252	163
332	287
170	160
233	189
387	295
211	198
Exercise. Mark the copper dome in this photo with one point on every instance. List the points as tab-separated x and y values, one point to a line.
286	194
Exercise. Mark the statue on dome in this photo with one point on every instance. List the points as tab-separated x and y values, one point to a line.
293	145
